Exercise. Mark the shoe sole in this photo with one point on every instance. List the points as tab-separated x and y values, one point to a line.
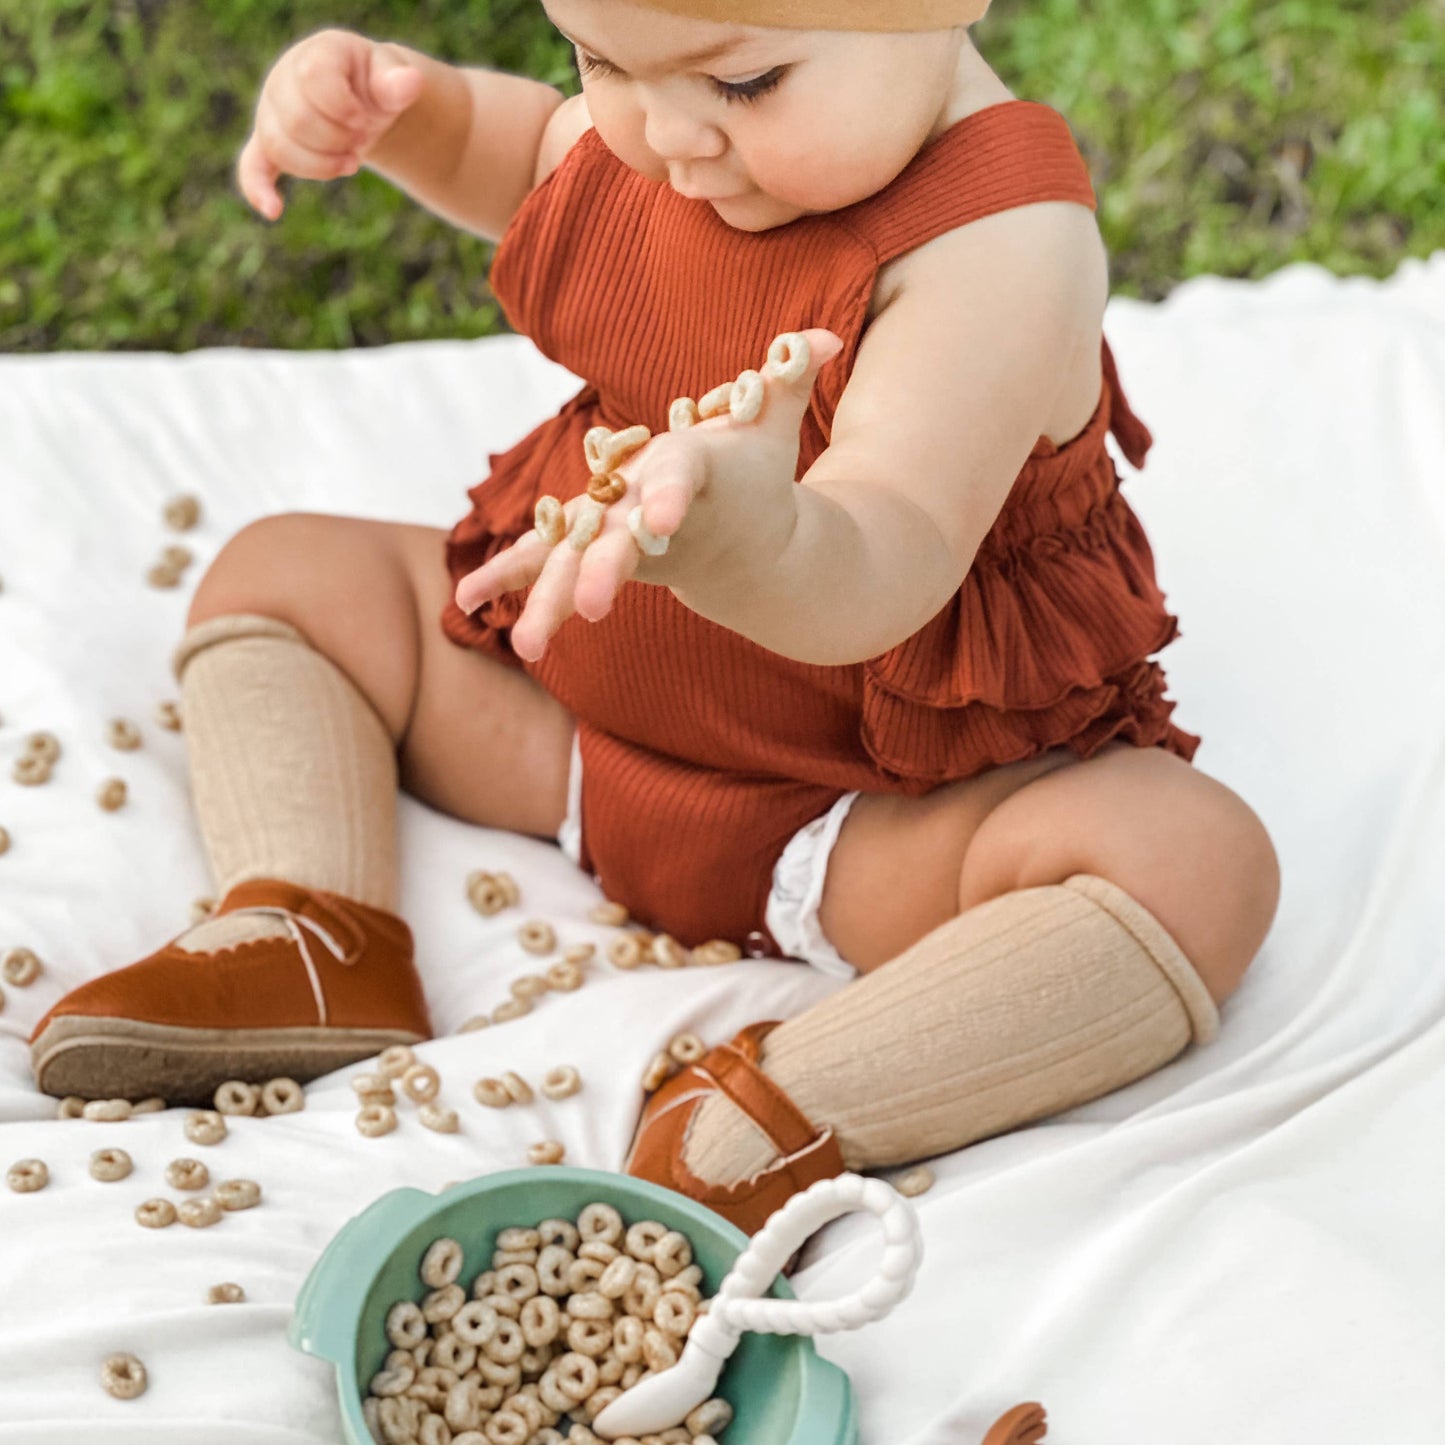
103	1058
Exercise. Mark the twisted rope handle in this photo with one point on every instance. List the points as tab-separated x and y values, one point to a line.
737	1303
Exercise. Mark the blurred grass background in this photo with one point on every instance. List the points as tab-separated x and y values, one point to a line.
1223	136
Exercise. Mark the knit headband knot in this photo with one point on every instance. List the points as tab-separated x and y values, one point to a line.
829	14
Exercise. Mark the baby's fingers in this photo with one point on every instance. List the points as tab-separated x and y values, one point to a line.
508	571
609	562
256	175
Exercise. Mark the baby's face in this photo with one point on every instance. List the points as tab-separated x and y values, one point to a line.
834	115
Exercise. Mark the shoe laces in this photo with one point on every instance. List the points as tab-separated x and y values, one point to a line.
295	922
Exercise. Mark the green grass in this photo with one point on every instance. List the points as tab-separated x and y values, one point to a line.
1223	136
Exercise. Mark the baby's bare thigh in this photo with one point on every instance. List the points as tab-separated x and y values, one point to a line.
894	872
474	737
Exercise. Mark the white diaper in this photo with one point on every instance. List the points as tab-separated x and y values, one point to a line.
798	875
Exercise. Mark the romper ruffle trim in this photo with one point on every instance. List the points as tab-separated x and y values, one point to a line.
1045	643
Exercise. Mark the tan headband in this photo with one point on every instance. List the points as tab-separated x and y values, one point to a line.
829	14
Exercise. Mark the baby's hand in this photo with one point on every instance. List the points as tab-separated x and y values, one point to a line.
325	103
731	482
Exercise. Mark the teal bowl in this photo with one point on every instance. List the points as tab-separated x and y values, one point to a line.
781	1390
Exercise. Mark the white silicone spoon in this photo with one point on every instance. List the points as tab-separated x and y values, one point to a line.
662	1401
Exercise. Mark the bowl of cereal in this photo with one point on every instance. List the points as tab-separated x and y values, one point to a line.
424	1308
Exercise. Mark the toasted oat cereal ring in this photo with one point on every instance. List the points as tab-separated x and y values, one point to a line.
434	1430
648	542
393	1062
689	1278
561	1082
111	794
537	936
576	1375
123	1376
715	402
476	1322
108	1111
182	512
510	891
421	1083
373	1089
108	1165
627	1338
152	1105
487	897
519	1237
506	1427
592	446
155	1213
715	951
507	1342
517	1087
477	1021
201	909
608	912
789	356
441	1264
634	1372
551	1394
553	1262
674	1313
672	1254
43	745
615	448
528	1407
237	1099
176	557
484	1284
712	1417
686	1048
282	1096
606	487
374	1120
625	952
405	1325
591	1304
392	1382
658	1350
609	1371
658	1071
600	1399
225	1294
583	1274
558	1231
123	734
745	402
491	1092
168	715
21	967
550	520
529	986
915	1182
598	1249
682	414
546	1151
72	1106
589	1337
442	1303
199	1213
565	977
439	1118
517	1282
643	1238
667	952
205	1126
232	1194
25	1176
577	954
539	1320
30	771
511	1008
586	524
600	1220
642	1296
4	844
617	1277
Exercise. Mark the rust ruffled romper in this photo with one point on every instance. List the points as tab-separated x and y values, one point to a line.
702	752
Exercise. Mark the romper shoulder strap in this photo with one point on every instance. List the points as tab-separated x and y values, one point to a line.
1006	155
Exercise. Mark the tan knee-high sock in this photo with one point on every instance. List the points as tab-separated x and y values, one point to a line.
293	772
1020	1007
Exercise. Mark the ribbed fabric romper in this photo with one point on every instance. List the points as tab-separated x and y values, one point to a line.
702	752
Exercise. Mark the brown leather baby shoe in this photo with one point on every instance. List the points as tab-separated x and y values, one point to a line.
808	1153
340	987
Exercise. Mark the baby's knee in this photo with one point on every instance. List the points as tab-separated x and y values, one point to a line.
266	567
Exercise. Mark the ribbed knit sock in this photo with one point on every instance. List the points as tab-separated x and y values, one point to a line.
1020	1007
293	772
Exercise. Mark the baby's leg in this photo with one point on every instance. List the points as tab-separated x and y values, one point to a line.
313	669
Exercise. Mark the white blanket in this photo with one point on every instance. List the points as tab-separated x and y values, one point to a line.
1245	1246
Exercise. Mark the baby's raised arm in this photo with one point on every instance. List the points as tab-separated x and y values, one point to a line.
462	142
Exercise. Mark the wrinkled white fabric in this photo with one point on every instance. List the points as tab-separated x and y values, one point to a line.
1245	1246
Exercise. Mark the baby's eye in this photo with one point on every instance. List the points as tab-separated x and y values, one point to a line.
744	90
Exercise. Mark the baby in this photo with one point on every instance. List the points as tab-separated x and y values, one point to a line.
884	704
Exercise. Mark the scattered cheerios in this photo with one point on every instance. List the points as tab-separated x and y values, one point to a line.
438	1117
21	967
537	937
915	1182
610	913
123	1376
421	1083
108	1111
28	1175
282	1096
561	1082
517	1087
187	1174
234	1194
237	1098
658	1071
108	1165
199	1213
225	1294
205	1126
111	794
168	715
547	1151
156	1213
182	512
373	1120
491	1092
123	734
686	1048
